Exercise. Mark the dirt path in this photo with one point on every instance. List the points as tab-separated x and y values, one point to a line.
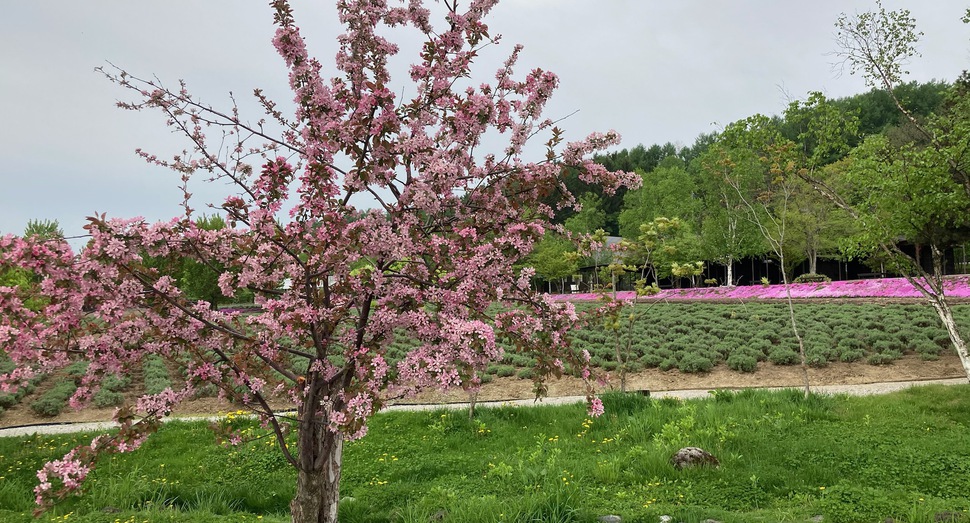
854	378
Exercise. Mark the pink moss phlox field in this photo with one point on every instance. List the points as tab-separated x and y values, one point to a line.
435	249
955	286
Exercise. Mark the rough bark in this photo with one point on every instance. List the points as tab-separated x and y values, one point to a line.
320	456
318	489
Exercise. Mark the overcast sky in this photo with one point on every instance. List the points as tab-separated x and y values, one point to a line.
656	71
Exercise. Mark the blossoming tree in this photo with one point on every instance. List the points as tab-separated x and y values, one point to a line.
428	261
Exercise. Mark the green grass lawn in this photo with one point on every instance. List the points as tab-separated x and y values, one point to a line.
783	458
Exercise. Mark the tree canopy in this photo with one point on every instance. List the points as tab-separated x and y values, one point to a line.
334	284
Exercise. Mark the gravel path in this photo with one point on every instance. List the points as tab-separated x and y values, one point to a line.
852	390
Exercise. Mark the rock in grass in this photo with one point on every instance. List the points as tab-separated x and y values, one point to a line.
693	457
610	519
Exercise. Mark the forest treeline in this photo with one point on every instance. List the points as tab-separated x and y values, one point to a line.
733	194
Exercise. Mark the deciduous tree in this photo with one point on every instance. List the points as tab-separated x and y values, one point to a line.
727	234
551	259
918	191
431	258
762	165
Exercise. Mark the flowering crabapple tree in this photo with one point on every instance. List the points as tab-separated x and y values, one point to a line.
428	261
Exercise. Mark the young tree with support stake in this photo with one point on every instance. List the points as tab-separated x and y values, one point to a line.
430	260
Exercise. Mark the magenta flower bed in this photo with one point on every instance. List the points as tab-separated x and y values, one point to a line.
956	286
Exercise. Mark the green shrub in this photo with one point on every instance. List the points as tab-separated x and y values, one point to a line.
783	356
766	336
851	355
108	398
8	400
693	362
884	358
157	385
640	347
521	360
54	401
759	348
742	362
809	277
76	370
819	353
884	345
681	330
724	349
943	340
849	344
908	334
157	377
505	371
815	358
926	348
651	360
526	374
842	332
205	390
115	382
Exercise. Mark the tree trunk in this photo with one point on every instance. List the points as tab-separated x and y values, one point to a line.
942	307
813	263
620	363
794	328
318	489
946	317
472	402
730	271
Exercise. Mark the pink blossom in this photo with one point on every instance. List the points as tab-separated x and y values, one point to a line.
333	284
955	286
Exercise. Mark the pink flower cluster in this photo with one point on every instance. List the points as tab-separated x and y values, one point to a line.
332	284
955	286
69	471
